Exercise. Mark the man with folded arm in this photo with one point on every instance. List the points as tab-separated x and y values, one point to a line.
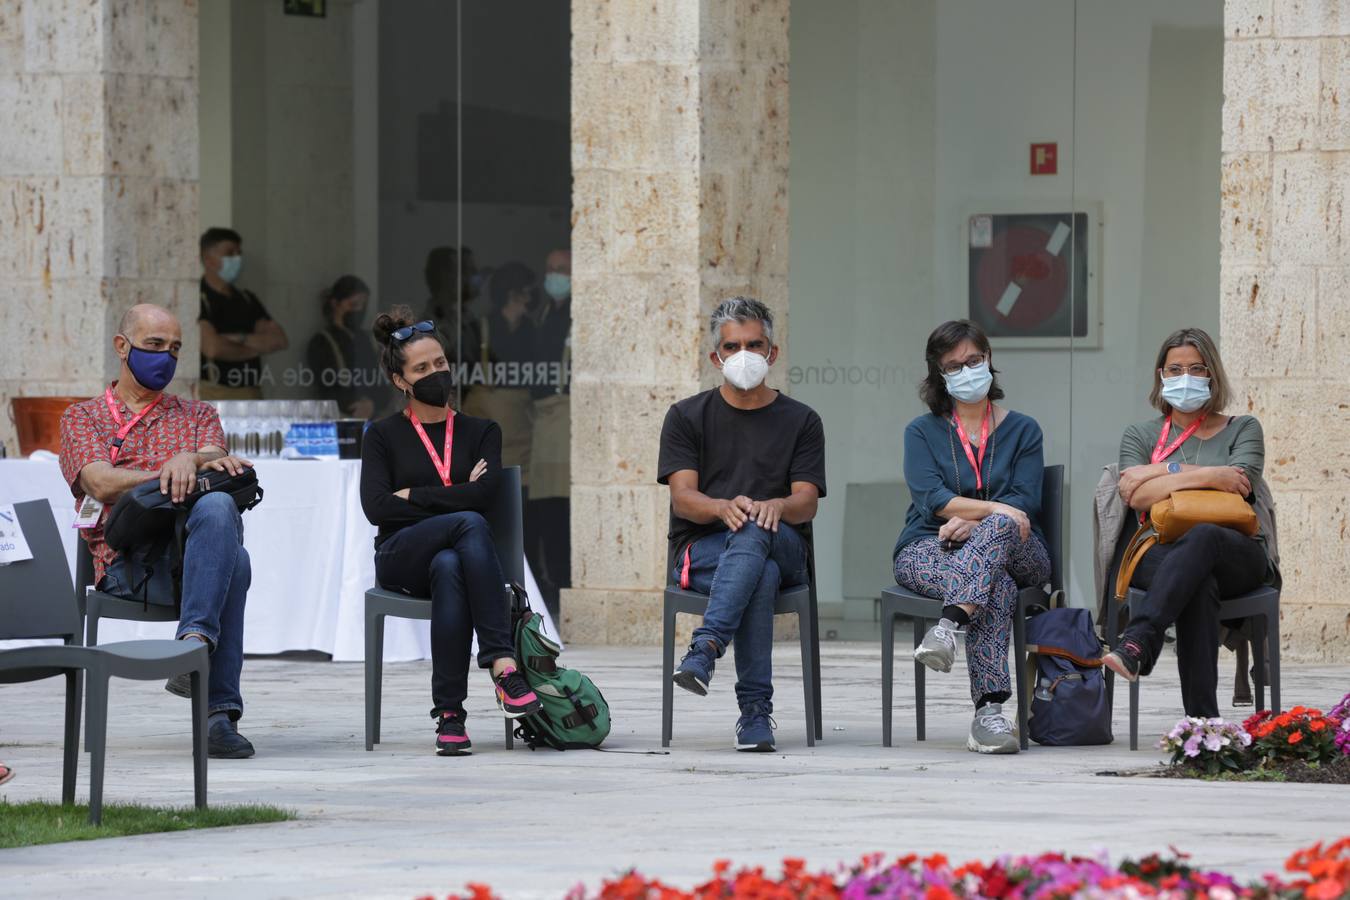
133	433
746	467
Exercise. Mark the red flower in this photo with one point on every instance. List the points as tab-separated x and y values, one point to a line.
1317	725
1295	737
938	892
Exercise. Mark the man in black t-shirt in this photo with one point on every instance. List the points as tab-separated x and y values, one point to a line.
745	464
236	329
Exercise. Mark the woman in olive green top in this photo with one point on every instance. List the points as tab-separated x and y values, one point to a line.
1191	446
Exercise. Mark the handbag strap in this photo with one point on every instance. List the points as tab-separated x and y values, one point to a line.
1144	539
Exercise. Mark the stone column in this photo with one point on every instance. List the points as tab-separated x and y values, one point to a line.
1285	323
679	158
98	185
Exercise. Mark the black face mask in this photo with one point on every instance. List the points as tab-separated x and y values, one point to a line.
434	388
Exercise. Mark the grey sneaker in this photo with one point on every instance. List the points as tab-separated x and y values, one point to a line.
938	650
991	732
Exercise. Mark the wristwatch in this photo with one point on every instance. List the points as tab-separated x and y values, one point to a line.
1173	468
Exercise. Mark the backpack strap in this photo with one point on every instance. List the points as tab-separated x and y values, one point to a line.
1143	541
1046	650
584	715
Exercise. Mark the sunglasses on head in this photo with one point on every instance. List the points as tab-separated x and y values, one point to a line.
407	331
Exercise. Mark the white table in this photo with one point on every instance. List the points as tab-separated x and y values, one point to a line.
312	554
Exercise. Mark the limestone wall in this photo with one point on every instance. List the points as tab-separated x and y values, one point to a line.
1286	288
680	153
98	184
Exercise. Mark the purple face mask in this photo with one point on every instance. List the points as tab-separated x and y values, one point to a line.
152	369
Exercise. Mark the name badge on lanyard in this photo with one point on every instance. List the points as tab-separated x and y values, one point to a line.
89	512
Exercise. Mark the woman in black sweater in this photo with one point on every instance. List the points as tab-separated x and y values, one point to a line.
427	473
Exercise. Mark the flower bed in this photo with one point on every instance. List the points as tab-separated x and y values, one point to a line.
1303	744
1320	872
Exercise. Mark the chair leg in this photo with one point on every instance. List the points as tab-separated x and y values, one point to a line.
510	737
1273	656
887	675
1134	715
90	640
815	668
1259	658
667	675
920	626
70	750
200	677
1019	634
97	726
374	672
808	673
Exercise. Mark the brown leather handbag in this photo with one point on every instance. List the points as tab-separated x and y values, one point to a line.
1169	519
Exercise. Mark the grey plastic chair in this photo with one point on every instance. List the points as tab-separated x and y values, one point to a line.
508	533
36	601
899	603
799	600
1261	606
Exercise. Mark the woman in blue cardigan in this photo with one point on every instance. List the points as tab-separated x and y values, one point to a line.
971	536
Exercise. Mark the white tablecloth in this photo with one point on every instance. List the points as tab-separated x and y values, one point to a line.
312	554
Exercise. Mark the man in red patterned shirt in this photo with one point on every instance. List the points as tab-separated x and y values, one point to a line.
133	433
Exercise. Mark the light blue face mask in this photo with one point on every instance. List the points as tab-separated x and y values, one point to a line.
230	266
1185	393
558	285
971	384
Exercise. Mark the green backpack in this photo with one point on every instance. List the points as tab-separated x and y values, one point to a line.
575	715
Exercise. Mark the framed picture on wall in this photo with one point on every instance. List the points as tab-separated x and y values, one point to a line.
1032	275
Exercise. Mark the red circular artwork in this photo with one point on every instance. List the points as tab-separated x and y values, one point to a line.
1018	255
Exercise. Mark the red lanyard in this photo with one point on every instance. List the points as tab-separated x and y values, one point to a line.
442	465
123	430
1159	454
965	444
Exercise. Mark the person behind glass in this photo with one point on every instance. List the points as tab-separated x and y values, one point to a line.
236	329
505	342
746	466
135	432
343	357
1192	445
453	281
427	474
971	537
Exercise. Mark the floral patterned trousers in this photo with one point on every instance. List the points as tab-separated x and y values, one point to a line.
986	572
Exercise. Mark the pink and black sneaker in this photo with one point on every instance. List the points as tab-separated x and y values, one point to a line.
451	738
514	697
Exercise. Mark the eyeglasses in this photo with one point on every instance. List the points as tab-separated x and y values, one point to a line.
407	331
1199	370
954	368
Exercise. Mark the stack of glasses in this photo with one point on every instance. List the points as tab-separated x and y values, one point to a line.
267	429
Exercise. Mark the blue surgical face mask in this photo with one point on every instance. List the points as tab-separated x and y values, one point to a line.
152	369
558	285
971	384
1185	393
230	266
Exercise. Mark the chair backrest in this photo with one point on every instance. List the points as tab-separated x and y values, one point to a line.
84	566
1052	522
508	525
36	596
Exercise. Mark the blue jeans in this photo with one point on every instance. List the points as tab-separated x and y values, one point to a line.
741	573
216	577
451	559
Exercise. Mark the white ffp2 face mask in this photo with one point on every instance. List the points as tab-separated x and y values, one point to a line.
745	369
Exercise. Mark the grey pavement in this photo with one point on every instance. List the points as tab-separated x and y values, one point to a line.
402	822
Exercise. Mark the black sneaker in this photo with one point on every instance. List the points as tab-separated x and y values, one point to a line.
514	697
1125	660
451	738
223	741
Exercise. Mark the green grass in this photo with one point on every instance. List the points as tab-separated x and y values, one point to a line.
30	824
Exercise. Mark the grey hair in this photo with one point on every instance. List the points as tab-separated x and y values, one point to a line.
741	309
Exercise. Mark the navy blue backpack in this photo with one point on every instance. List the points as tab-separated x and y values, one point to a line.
1069	707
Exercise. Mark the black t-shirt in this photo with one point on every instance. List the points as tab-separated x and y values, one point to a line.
755	452
393	458
237	312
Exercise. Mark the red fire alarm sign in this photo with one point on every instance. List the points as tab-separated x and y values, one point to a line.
1044	159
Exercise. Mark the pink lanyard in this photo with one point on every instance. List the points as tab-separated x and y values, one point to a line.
123	430
442	465
965	444
1159	454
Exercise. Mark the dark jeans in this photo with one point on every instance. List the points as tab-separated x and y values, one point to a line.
451	559
216	577
1187	582
741	573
